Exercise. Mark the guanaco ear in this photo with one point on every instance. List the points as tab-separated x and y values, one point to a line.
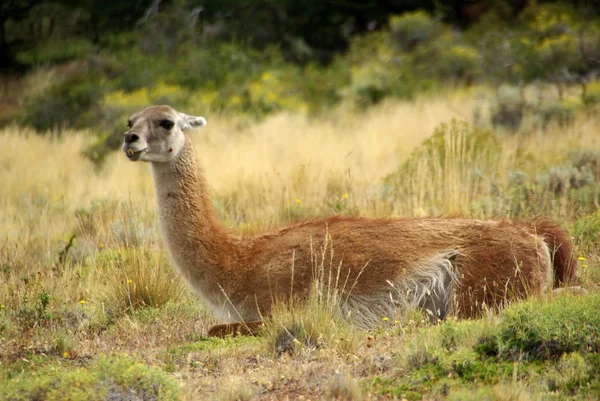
190	122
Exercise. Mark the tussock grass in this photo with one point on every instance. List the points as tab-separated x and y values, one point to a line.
235	389
138	278
343	387
310	325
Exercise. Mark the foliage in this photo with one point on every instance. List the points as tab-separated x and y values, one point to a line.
508	108
540	331
532	347
562	112
586	232
457	159
592	94
412	29
67	103
177	55
104	378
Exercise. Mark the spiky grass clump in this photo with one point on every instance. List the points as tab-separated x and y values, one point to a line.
343	387
235	389
319	321
309	325
139	278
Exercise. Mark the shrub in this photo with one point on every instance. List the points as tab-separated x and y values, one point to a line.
507	108
65	104
571	373
447	59
373	81
539	331
411	29
592	94
561	112
563	177
104	379
273	91
586	232
55	51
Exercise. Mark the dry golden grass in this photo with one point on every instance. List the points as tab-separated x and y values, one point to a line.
81	257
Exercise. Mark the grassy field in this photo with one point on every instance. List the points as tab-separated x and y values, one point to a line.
90	307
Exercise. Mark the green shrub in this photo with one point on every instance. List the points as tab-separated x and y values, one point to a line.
546	330
586	232
103	379
571	373
372	81
592	94
563	177
65	104
447	59
411	29
507	108
126	377
561	112
55	51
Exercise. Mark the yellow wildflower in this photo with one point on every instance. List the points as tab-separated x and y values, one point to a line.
298	201
581	258
1	306
82	302
385	319
345	196
583	266
65	354
129	281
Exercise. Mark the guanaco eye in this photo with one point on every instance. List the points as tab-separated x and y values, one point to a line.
129	125
167	124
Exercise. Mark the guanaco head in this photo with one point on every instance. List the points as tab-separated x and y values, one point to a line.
156	133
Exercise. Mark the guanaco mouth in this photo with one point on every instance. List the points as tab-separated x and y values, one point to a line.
134	155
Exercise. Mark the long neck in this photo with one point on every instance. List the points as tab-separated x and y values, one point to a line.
198	242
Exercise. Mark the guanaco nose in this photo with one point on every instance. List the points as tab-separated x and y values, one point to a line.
130	138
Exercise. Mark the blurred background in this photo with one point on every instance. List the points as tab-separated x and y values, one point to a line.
89	63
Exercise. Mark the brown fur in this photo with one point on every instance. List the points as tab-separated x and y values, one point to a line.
561	246
487	263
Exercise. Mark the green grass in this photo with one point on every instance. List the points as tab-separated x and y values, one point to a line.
549	347
103	378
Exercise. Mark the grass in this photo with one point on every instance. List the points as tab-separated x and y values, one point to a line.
90	307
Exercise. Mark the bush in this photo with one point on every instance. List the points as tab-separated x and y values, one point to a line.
65	104
562	112
586	232
571	373
541	331
103	379
412	29
55	51
591	96
447	59
507	108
